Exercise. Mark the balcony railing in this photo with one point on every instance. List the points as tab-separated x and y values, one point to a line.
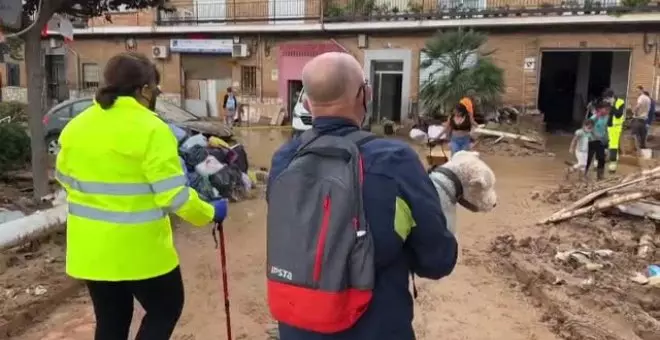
240	11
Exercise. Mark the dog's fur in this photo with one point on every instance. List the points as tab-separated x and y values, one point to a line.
477	179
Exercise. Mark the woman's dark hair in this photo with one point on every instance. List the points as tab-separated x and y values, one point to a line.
461	109
123	75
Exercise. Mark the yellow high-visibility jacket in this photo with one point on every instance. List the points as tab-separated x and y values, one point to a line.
122	174
616	124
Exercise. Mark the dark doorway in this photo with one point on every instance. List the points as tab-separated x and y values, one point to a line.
569	80
557	88
295	87
599	74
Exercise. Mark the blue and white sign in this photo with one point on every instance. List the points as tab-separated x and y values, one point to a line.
211	46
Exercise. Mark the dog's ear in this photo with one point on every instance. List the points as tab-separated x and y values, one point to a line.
478	183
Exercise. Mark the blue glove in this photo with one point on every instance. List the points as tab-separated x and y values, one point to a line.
221	206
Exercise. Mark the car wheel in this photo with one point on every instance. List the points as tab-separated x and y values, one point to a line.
52	144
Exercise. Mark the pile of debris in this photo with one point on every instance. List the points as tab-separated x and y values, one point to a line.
33	281
637	195
509	140
217	167
592	266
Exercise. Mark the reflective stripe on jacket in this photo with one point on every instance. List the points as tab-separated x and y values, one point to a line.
618	106
123	176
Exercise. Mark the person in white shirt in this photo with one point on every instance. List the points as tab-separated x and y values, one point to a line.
640	115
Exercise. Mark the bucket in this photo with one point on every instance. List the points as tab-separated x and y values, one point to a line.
646	153
437	157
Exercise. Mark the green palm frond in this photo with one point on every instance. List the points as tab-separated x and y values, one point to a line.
455	74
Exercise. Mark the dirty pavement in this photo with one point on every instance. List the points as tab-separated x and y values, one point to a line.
484	299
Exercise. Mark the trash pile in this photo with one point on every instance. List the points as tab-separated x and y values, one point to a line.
637	195
217	167
594	266
509	140
491	139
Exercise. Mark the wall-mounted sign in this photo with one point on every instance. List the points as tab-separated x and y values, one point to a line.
274	74
212	46
529	64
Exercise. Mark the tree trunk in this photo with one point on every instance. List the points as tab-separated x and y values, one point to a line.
36	95
34	65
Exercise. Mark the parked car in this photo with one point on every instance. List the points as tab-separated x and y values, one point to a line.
301	119
57	117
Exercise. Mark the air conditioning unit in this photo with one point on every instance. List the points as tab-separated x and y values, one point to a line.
159	52
240	51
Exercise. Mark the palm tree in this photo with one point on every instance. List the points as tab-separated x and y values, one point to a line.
457	64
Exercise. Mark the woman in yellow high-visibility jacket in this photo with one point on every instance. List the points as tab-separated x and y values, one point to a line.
120	167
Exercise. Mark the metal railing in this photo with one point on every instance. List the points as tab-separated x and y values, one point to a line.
237	11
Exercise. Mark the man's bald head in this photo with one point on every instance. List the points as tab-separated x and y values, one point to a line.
331	77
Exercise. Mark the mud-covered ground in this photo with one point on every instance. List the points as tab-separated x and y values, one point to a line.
478	301
31	278
587	273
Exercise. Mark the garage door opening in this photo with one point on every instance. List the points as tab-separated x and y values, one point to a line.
569	80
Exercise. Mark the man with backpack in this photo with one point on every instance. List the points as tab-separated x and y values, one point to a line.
350	217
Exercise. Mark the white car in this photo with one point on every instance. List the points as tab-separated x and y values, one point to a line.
301	119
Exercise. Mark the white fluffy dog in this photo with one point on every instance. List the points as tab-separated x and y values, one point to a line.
466	180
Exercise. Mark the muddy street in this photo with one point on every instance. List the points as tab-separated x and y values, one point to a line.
474	303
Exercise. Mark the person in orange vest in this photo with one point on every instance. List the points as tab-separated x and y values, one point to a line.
469	102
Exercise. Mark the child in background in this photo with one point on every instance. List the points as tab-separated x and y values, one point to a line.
580	144
599	142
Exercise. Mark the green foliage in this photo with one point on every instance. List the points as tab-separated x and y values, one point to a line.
16	111
450	54
15	147
361	7
415	7
635	3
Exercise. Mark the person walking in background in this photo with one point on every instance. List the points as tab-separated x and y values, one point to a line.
230	106
469	102
598	143
357	289
651	117
580	144
614	127
640	118
119	193
458	128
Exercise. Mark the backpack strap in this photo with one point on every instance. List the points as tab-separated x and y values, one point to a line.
361	137
307	138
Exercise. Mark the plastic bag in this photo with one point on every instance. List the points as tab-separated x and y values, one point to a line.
179	133
195	155
209	166
203	186
240	157
196	140
418	135
247	181
436	131
216	142
229	183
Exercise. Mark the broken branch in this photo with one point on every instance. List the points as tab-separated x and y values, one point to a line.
602	205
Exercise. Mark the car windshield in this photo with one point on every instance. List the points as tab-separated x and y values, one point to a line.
173	113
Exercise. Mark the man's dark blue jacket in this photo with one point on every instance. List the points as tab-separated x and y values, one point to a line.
408	227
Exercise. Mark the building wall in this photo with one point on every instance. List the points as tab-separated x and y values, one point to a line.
510	51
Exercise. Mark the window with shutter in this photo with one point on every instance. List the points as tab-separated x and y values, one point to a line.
90	76
248	80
